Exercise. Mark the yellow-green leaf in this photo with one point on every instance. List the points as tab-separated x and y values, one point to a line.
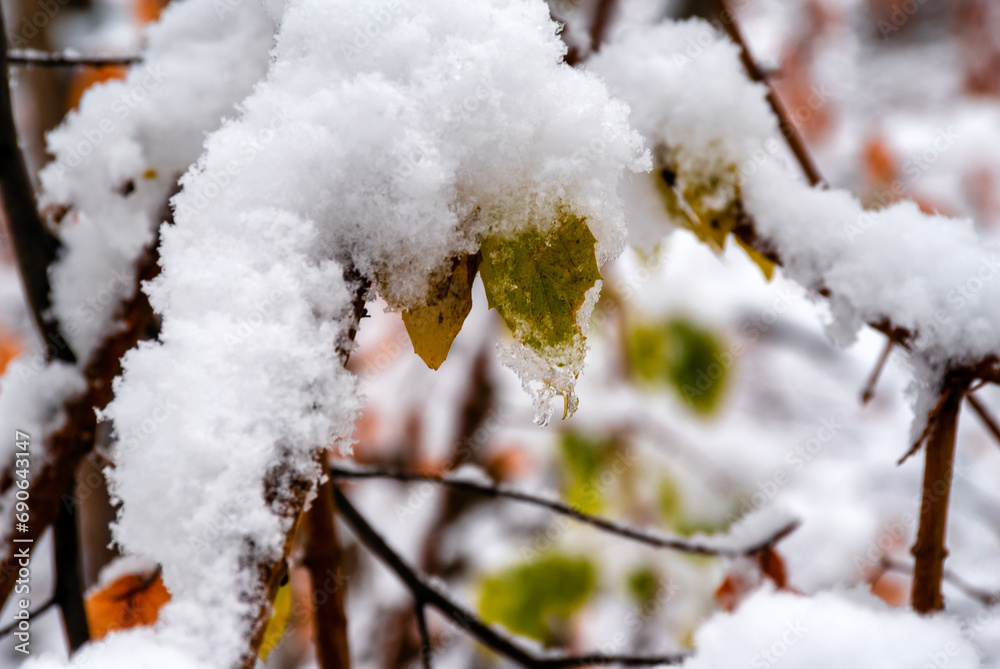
434	326
538	281
537	598
683	356
279	621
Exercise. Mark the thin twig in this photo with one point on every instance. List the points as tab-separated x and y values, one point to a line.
426	657
790	132
984	415
472	624
33	58
35	246
649	539
984	597
869	390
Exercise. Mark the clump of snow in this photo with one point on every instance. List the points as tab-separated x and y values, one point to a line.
928	274
701	116
828	631
32	401
385	137
117	158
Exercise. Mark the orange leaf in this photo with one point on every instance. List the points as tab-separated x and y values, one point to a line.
131	601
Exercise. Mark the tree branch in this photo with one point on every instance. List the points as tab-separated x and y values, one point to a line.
323	557
657	541
287	495
69	579
790	132
929	550
869	389
34	58
425	637
35	246
426	594
984	415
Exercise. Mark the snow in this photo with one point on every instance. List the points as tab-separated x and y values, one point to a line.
699	114
117	158
828	630
386	138
32	401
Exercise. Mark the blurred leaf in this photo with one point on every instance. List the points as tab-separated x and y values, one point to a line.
583	459
537	282
644	585
434	326
669	498
683	356
536	599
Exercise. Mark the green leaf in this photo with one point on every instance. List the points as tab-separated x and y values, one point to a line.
537	282
643	585
536	599
434	326
683	356
583	459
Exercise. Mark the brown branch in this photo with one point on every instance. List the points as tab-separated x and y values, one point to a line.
426	656
869	389
286	495
33	58
426	594
984	415
929	550
657	541
34	244
323	557
67	448
599	26
790	132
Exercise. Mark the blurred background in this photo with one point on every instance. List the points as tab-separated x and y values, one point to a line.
897	99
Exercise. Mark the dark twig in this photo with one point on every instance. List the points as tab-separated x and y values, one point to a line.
929	550
869	390
657	541
424	592
69	579
790	132
984	415
35	246
599	26
32	58
426	657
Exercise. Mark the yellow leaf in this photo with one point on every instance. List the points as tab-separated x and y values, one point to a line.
279	621
434	326
765	265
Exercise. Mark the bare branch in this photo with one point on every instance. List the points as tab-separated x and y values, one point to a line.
34	58
984	415
790	132
34	244
426	657
929	550
869	389
425	592
649	539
